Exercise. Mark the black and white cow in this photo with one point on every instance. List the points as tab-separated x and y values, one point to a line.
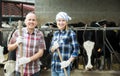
102	38
46	58
3	48
88	45
80	59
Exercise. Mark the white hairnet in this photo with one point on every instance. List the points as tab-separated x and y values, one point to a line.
63	15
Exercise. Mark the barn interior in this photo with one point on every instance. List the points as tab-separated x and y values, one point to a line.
86	14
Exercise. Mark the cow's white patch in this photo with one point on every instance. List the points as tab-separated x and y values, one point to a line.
88	46
9	68
1	54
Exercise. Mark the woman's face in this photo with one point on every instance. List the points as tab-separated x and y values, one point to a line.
61	23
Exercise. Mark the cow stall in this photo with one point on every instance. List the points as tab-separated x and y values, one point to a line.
99	35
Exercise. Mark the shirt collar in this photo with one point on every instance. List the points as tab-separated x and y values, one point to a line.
62	31
26	31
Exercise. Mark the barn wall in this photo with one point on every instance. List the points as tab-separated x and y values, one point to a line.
80	10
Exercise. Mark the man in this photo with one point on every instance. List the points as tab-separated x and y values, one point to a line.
33	47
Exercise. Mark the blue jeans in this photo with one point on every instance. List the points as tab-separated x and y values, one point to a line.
36	74
53	73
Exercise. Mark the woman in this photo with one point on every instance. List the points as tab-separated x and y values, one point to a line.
65	40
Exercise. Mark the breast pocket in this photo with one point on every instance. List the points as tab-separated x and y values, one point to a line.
65	40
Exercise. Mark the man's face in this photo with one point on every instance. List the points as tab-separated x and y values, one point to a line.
31	21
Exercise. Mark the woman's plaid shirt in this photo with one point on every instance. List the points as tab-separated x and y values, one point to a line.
68	47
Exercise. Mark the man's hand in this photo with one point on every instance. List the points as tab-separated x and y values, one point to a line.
23	60
19	40
65	64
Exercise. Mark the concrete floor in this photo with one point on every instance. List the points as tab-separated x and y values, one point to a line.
79	73
87	73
